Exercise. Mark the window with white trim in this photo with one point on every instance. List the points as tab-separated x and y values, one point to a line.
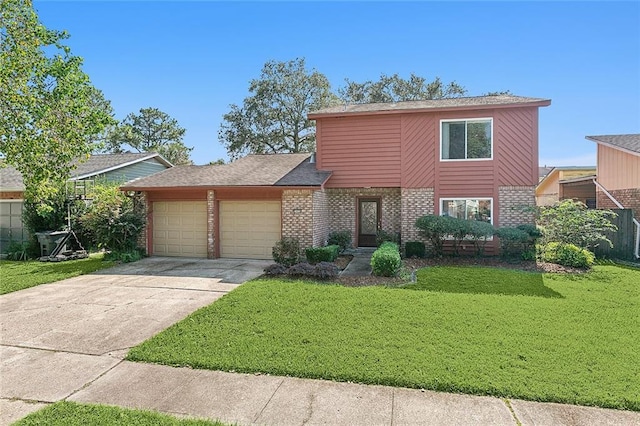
470	139
468	208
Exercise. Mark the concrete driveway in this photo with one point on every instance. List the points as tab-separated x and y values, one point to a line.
56	338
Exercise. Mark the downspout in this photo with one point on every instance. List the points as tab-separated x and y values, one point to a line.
620	206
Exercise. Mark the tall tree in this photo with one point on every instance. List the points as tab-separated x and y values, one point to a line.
150	130
50	113
396	89
273	119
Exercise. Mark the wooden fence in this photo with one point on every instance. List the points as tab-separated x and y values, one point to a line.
623	239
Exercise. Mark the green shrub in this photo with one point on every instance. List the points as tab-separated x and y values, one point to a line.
383	236
286	251
341	239
531	229
435	229
386	261
513	241
17	250
571	222
113	219
414	248
567	255
479	233
322	254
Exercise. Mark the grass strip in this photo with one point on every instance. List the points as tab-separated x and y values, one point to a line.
18	275
72	414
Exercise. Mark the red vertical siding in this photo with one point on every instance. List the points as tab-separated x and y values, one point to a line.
403	150
515	146
361	151
420	140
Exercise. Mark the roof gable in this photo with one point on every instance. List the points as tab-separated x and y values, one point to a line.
96	164
629	143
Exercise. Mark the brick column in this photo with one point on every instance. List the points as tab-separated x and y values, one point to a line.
297	216
416	202
211	224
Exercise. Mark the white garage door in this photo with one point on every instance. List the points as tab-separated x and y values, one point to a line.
249	229
180	228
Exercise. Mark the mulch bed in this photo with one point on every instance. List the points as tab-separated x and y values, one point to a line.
496	262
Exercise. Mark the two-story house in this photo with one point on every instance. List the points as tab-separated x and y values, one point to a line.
377	167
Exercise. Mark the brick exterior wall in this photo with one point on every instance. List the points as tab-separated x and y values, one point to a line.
416	202
298	215
146	207
320	218
342	208
511	202
629	198
211	224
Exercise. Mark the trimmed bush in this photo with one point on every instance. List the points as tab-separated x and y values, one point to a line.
435	228
513	241
325	270
286	251
386	261
302	269
567	255
275	269
414	248
322	254
383	236
341	239
479	233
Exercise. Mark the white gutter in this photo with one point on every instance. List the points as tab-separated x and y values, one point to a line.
620	206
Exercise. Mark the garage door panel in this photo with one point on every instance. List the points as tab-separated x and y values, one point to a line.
249	229
180	228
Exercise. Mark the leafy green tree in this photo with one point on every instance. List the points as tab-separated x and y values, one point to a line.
273	119
151	130
50	113
571	222
218	162
393	88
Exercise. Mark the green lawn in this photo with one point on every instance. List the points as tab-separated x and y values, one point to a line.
72	414
562	338
18	275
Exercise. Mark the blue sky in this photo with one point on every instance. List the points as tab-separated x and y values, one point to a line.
193	59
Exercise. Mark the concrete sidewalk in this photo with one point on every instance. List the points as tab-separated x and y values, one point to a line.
360	265
269	400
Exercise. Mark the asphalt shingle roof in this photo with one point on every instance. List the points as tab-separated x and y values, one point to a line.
468	102
629	142
252	170
11	179
98	163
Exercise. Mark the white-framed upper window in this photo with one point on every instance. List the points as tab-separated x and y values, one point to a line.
468	208
466	139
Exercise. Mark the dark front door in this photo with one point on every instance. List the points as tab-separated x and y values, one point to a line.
368	221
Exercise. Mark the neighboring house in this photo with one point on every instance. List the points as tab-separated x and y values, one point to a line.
378	167
543	171
618	171
573	182
109	167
